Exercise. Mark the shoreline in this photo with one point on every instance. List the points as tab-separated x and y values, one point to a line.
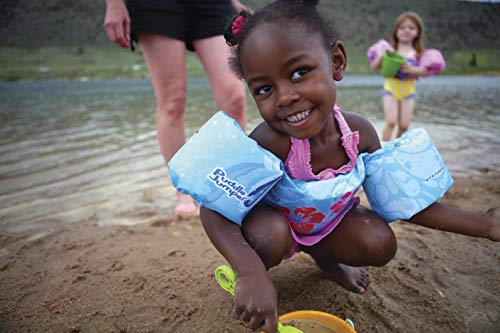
145	76
158	277
108	61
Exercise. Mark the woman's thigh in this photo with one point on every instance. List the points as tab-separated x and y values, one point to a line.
165	58
213	53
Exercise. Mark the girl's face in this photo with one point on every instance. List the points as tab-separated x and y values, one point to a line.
291	77
407	31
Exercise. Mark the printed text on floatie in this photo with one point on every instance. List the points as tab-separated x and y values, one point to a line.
232	188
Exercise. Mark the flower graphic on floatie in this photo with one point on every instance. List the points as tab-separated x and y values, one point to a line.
304	219
339	205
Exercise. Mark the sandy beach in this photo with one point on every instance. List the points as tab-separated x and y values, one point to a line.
158	277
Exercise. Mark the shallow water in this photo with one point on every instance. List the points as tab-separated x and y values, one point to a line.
71	151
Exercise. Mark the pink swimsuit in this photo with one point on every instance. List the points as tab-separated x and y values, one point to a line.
298	166
298	161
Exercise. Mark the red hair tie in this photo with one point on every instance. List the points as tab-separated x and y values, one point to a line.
237	25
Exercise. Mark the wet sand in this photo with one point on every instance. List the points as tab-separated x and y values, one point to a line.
158	277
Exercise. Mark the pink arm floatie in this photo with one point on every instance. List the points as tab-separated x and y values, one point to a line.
378	49
433	61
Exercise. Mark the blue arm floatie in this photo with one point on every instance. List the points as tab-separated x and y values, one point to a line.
223	169
405	176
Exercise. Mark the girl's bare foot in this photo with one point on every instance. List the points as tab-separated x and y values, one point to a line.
494	231
351	278
185	206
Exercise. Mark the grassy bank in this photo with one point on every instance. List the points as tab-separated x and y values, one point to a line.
101	62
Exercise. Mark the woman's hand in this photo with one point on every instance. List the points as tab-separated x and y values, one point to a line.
117	23
256	302
238	7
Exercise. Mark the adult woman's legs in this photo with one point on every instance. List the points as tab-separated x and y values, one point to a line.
391	106
228	91
405	114
165	58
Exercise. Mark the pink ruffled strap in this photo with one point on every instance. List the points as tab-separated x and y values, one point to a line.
298	162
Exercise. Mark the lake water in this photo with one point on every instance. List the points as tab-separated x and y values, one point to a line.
72	151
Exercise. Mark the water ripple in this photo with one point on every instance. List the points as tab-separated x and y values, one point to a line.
72	151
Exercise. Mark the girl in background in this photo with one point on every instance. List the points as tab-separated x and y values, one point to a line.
398	94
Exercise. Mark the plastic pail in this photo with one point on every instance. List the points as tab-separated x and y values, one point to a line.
391	62
323	318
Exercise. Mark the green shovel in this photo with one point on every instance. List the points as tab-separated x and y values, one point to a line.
227	280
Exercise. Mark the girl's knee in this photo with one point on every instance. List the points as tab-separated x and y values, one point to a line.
381	247
374	243
268	234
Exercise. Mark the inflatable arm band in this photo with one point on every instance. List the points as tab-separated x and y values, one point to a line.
405	176
223	169
433	61
378	49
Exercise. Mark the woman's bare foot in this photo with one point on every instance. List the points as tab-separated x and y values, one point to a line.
494	230
185	206
351	278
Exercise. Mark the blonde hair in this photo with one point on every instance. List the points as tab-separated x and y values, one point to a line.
418	42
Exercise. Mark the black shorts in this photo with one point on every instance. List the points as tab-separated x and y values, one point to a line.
186	20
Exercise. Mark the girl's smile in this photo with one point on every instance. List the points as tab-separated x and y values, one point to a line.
407	31
297	117
291	77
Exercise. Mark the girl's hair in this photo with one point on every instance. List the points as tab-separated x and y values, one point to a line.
418	42
303	12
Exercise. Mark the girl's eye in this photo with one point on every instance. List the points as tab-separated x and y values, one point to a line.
263	90
299	73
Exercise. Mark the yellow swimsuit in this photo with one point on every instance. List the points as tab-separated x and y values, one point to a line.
398	86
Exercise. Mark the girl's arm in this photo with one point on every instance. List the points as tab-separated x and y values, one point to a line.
368	137
229	241
377	63
414	72
256	299
272	140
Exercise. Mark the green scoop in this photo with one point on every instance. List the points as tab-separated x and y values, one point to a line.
227	280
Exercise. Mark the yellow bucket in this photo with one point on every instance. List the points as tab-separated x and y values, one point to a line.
226	278
328	320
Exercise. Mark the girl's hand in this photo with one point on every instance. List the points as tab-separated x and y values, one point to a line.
256	302
238	7
117	23
414	72
406	68
377	62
